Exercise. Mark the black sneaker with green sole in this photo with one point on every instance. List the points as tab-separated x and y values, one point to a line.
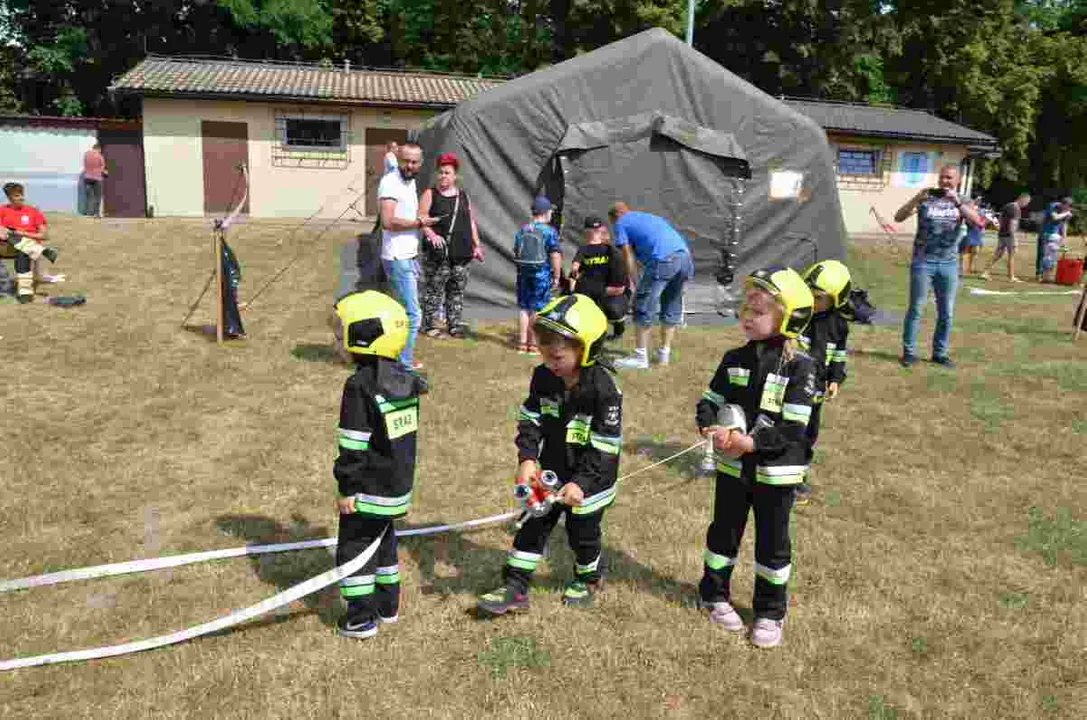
579	594
502	601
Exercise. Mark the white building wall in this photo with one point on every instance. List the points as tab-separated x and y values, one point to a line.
174	156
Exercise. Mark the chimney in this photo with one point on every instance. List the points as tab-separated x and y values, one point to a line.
346	65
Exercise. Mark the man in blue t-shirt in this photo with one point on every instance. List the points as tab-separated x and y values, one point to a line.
939	213
666	267
1053	232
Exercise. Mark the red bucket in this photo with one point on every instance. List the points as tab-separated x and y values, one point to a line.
1069	271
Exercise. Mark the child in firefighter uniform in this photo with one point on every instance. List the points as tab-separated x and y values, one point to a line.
824	341
774	385
570	424
379	418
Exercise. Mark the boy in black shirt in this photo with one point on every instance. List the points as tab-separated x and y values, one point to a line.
598	273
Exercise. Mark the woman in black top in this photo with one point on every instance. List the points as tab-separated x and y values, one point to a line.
450	245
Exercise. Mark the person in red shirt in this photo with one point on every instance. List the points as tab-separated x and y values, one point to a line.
94	173
25	230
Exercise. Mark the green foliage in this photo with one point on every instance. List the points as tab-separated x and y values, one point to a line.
1062	538
512	652
307	23
1013	601
878	709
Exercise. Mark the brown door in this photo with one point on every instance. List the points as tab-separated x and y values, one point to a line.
375	160
226	149
124	192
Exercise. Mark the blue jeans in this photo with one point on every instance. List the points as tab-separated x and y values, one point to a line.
660	289
404	279
943	278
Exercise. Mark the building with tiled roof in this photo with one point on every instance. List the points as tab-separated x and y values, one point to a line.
216	79
885	154
313	136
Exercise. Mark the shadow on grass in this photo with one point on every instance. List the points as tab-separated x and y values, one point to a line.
208	333
314	352
285	570
656	449
885	355
451	564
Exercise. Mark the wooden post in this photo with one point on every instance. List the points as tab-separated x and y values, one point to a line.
219	286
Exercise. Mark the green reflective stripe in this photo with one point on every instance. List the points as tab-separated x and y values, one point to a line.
389	405
804	342
715	398
523	560
356	591
593	503
779	576
382	506
529	416
549	407
359	445
739	376
730	467
784	475
388	575
590	568
841	355
717	562
354	434
796	413
357	580
610	444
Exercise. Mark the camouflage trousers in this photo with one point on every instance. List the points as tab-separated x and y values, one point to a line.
443	289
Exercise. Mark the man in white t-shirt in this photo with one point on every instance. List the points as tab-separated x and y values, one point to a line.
400	223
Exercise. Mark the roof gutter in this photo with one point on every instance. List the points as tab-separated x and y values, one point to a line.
973	143
259	97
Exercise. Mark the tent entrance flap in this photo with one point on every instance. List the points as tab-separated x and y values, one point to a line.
692	176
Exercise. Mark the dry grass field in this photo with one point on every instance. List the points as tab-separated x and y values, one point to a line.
940	572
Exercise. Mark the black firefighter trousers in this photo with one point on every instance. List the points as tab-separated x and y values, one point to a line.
375	588
733	500
583	533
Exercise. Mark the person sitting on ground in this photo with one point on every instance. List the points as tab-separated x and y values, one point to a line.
25	231
1005	241
597	271
571	424
539	265
667	266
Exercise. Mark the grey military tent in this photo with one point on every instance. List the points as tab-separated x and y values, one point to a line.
652	122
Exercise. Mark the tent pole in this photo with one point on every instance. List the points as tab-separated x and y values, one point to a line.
690	22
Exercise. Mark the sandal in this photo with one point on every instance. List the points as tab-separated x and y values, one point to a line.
433	333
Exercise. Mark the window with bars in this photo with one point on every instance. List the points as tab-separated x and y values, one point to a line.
858	162
320	141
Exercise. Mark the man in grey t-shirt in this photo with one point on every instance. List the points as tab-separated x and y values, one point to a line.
935	265
1010	215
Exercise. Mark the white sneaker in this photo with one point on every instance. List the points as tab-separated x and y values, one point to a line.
633	362
663	357
766	633
723	614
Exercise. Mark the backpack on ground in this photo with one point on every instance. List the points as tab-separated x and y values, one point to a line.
533	246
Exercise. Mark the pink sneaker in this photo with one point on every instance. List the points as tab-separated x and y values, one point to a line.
766	633
723	614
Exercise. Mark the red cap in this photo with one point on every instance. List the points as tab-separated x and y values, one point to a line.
448	159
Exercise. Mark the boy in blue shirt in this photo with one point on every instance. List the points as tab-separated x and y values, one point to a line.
539	264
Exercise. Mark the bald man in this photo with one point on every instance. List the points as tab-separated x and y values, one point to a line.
935	263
